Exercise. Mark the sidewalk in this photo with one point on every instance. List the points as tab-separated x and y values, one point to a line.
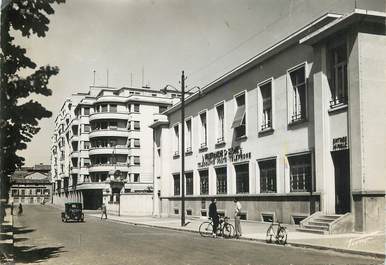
371	244
6	239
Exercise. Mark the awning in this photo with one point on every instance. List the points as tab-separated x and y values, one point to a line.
238	120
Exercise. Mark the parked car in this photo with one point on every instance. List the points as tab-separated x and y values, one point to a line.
72	211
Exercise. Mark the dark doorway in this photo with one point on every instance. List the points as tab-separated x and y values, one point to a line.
92	199
342	181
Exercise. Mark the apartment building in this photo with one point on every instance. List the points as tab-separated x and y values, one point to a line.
101	148
31	185
294	133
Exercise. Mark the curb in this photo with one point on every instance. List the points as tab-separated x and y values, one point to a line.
262	241
7	250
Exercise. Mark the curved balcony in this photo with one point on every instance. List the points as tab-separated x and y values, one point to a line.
74	154
111	98
108	115
74	170
119	150
75	138
109	132
108	167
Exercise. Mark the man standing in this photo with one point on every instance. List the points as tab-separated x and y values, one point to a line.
214	215
104	211
237	213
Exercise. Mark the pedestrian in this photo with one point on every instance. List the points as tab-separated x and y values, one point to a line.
237	214
20	209
12	208
104	211
213	214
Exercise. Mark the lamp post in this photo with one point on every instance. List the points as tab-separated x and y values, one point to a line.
183	223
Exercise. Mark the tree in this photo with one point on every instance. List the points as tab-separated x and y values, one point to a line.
19	115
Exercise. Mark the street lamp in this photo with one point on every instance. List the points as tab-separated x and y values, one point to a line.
164	90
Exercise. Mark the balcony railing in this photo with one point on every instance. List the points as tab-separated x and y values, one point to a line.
339	101
220	140
266	125
297	117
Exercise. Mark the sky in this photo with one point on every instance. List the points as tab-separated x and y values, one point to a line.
158	39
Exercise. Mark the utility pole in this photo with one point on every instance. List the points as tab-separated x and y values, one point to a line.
183	149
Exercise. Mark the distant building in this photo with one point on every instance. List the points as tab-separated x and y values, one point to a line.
298	130
31	185
102	145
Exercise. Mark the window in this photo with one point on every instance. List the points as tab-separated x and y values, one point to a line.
188	135
300	172
176	141
87	128
298	83
267	176
176	179
136	108
86	145
239	122
113	108
204	182
137	126
136	177
221	180
104	108
266	106
86	111
136	143
86	162
162	108
338	76
220	123
136	160
242	178
204	132
189	183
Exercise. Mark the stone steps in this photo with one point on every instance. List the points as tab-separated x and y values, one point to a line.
318	223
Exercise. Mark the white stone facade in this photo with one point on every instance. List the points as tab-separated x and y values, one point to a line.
294	130
101	145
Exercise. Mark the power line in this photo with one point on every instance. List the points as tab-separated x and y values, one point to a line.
245	41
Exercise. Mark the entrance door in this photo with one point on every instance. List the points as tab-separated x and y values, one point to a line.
342	181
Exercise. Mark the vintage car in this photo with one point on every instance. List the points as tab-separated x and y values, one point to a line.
72	211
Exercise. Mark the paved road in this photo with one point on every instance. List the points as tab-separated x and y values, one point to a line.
41	237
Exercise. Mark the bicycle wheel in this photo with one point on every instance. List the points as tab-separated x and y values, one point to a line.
282	236
228	231
206	229
270	234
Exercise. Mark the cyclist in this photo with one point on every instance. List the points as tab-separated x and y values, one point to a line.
214	215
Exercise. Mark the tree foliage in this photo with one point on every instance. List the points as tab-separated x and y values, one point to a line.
19	116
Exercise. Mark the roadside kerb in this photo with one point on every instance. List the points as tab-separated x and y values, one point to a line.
261	241
6	239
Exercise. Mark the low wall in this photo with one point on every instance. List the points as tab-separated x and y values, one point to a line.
132	204
136	204
283	207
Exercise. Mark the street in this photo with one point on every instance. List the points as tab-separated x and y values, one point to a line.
41	237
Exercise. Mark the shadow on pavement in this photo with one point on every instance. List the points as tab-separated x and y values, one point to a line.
20	239
22	230
32	254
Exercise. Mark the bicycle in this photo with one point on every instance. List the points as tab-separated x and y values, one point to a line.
280	235
226	229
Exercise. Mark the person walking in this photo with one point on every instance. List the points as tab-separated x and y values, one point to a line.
20	209
214	215
104	211
237	214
